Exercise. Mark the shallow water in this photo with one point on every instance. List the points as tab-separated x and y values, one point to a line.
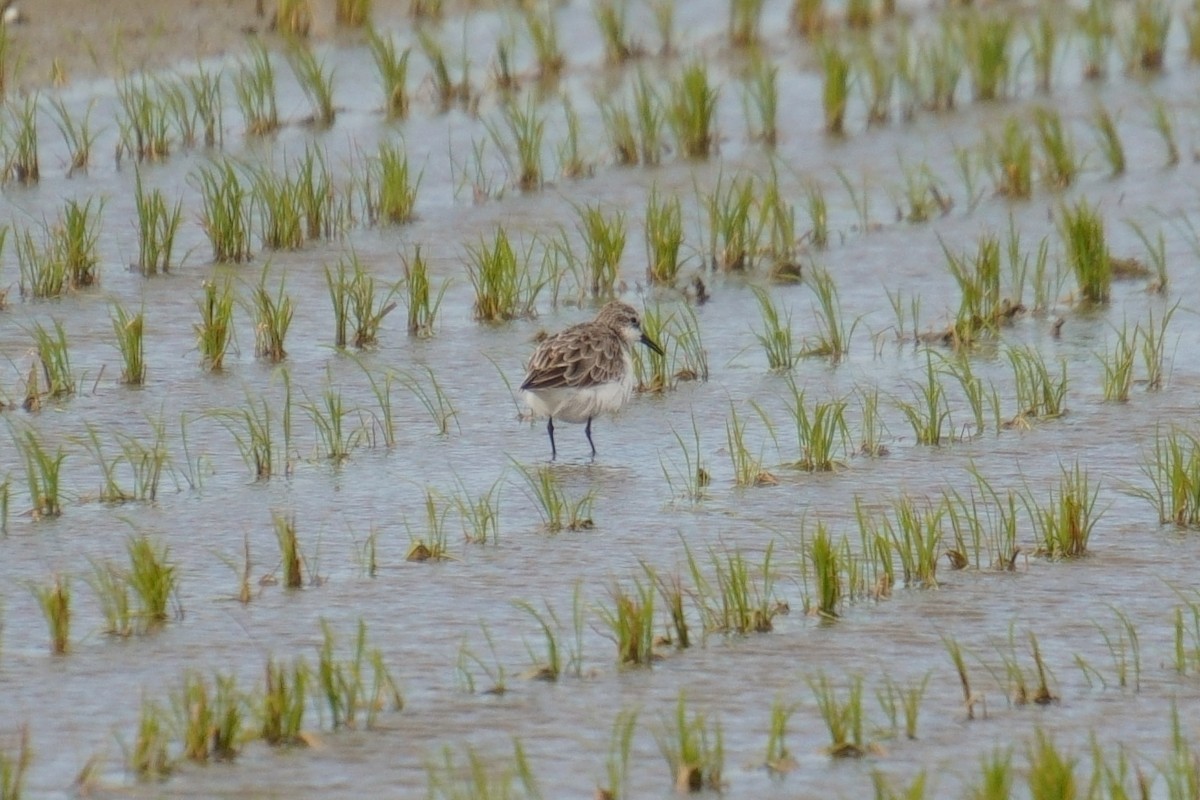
423	615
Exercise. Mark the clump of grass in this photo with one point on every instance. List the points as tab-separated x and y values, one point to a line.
732	601
349	696
153	579
328	414
821	430
421	303
1109	140
747	466
1118	367
14	765
631	623
776	336
211	719
393	73
986	44
1064	524
54	358
1051	772
620	745
808	16
225	211
835	66
352	13
158	225
1165	127
356	309
526	129
150	758
445	88
42	472
1043	37
664	238
451	780
431	544
1011	161
1039	393
734	234
505	288
283	702
316	81
144	120
254	85
20	141
1145	42
291	561
1096	24
78	135
612	20
1059	163
1082	230
559	512
214	332
929	414
1173	470
604	243
543	33
744	19
55	602
390	189
843	717
128	329
693	748
272	318
293	17
691	112
832	340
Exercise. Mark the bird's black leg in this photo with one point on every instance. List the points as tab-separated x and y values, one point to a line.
588	431
550	430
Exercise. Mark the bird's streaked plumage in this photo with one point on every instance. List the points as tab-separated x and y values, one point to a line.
585	370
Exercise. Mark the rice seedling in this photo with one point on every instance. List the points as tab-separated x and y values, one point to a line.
416	294
559	512
477	778
393	73
214	332
694	477
446	89
128	329
1059	165
929	415
110	584
77	133
986	43
939	63
153	579
818	216
1118	366
1144	43
879	82
915	535
355	306
745	17
664	238
144	120
1019	690
1173	470
828	567
54	359
1124	649
158	225
526	127
1096	24
348	694
1108	139
1187	635
174	98
433	399
479	514
1181	771
316	81
20	143
1051	772
693	748
981	306
14	765
1039	393
225	211
616	764
494	671
293	17
872	427
203	89
1063	525
604	242
571	162
431	545
150	758
836	70
907	699
958	658
832	339
618	126
691	112
421	10
549	667
612	18
923	195
211	719
843	718
283	702
733	233
779	759
254	86
77	235
808	16
733	602
747	467
648	112
663	12
42	472
389	188
1043	37
276	201
996	776
291	562
1165	126
55	603
821	431
328	413
860	15
543	34
1081	228
1154	341
505	288
272	318
110	490
352	13
1011	161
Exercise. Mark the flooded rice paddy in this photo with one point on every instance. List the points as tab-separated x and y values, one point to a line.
960	437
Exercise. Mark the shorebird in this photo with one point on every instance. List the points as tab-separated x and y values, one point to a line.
585	370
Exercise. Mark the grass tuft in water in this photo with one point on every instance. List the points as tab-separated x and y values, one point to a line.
352	13
1082	230
272	318
505	288
153	579
1108	139
559	512
392	67
357	312
150	758
283	702
15	763
316	81
128	329
422	305
225	211
55	601
1063	525
664	238
836	68
612	18
694	749
254	86
357	689
19	140
691	112
843	717
158	225
214	332
604	242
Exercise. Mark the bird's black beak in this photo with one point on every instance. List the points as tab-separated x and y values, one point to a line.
653	345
